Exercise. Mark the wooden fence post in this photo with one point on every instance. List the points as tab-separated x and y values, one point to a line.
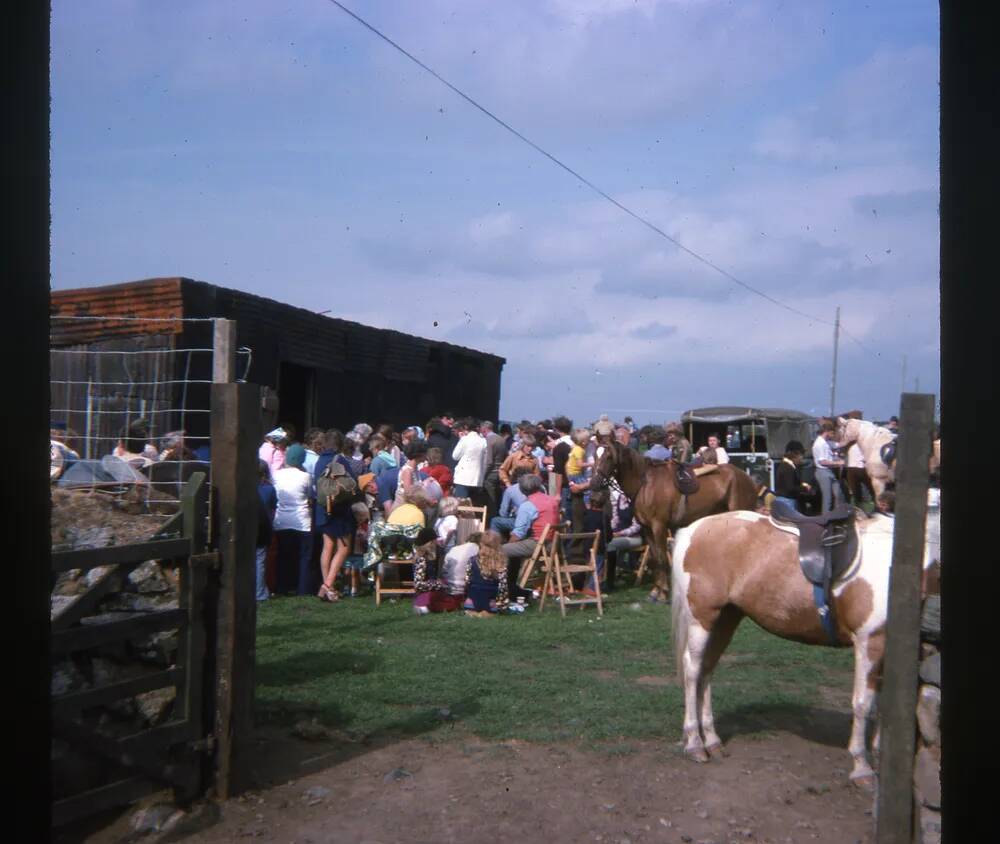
235	434
898	698
224	352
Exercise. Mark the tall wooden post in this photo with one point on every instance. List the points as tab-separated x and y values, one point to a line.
900	671
235	434
224	352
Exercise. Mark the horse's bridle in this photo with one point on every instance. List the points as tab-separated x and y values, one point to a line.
609	480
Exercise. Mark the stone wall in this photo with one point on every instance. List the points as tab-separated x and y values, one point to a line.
927	766
79	521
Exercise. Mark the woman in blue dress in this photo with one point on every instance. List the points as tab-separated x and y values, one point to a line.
337	525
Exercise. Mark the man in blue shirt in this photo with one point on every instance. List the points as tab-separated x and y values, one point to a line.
512	499
387	481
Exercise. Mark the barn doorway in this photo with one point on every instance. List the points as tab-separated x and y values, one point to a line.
296	397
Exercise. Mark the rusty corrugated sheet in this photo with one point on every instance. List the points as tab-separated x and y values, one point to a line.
155	298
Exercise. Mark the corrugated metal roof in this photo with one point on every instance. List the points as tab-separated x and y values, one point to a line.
155	298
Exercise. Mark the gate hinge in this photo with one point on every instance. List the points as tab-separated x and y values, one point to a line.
209	558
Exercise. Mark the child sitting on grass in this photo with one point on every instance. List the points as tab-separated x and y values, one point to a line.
486	577
445	591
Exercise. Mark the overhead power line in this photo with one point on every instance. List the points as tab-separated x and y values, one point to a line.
604	194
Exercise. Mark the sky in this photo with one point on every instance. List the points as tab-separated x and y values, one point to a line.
283	149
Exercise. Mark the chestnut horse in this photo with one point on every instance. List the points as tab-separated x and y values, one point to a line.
659	506
741	564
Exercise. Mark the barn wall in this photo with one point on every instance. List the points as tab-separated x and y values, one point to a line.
358	372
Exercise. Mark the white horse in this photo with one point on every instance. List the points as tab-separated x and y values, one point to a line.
740	564
870	439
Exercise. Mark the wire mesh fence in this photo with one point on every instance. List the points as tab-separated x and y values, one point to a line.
130	408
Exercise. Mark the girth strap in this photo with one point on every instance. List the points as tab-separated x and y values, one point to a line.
826	614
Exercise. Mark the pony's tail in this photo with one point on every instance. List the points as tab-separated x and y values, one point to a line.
679	610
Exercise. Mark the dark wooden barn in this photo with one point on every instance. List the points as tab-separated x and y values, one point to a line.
324	371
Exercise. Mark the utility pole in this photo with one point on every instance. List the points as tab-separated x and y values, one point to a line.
902	381
916	384
836	345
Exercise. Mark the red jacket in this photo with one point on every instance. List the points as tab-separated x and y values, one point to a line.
548	513
442	474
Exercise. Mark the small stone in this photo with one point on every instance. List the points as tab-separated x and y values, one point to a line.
927	776
148	578
930	670
666	823
608	807
702	814
315	794
443	714
930	826
929	714
310	730
930	619
155	706
152	818
65	678
396	774
686	839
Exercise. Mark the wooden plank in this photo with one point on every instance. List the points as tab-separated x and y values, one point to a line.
68	704
89	558
140	758
85	603
224	352
92	635
193	508
900	671
236	431
118	793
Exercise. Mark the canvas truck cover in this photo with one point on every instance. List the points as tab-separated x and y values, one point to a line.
782	425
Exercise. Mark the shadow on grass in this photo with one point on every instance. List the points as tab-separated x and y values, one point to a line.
305	667
278	756
829	727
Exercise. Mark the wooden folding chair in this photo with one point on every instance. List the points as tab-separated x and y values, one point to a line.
542	554
470	520
404	587
561	571
643	561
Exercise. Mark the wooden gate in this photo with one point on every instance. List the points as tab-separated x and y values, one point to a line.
171	754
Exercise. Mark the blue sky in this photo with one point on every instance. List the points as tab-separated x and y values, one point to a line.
282	149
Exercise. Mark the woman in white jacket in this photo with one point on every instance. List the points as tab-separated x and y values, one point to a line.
470	460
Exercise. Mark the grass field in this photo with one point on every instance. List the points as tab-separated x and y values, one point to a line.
380	672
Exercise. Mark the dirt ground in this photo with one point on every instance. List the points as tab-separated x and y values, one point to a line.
776	788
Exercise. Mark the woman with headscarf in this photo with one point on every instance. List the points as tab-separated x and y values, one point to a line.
293	524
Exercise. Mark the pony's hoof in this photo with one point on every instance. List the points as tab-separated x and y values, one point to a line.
864	782
717	749
696	754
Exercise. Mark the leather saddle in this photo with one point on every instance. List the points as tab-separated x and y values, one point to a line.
685	479
828	544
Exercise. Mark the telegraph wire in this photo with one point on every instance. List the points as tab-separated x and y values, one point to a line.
650	225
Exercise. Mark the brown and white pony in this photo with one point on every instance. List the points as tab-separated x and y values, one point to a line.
870	439
741	564
660	508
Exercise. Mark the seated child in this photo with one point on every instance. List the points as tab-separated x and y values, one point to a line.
486	576
446	525
446	591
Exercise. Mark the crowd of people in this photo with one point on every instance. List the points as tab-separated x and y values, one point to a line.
321	493
528	477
